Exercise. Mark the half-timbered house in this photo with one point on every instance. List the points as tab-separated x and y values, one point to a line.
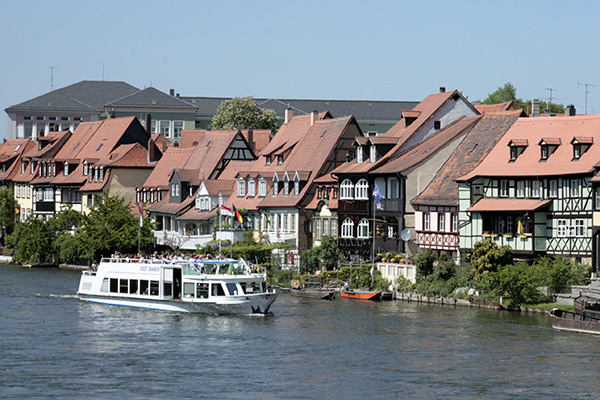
534	191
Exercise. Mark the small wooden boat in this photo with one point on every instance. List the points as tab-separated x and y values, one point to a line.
570	321
587	305
360	294
388	295
314	293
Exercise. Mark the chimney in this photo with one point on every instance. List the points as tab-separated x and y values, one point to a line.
251	138
164	145
149	124
570	111
172	92
535	107
314	116
442	89
151	151
289	114
177	95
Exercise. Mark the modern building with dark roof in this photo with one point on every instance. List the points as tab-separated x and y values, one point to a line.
171	113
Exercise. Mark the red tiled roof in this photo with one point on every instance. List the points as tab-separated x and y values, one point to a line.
127	155
493	108
164	206
174	158
96	186
14	149
495	204
427	148
195	215
443	189
74	178
550	141
529	162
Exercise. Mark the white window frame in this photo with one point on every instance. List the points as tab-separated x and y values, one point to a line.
553	188
296	187
361	191
318	232
262	187
251	187
426	221
574	188
520	189
177	128
454	222
347	228
241	188
503	188
363	229
346	190
580	227
536	187
561	228
359	154
372	154
441	222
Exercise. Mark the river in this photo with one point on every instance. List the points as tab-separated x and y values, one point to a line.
54	346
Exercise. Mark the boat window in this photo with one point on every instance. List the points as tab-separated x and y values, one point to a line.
133	286
114	285
168	289
217	290
252	287
232	289
104	287
202	290
153	288
188	289
123	286
144	287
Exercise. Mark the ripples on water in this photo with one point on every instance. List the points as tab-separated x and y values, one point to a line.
54	346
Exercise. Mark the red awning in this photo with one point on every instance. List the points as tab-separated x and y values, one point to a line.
508	205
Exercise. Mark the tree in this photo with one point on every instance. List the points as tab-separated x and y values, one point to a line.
517	282
424	262
508	92
8	209
32	241
244	111
111	226
488	257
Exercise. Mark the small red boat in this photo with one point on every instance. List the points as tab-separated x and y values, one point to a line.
360	294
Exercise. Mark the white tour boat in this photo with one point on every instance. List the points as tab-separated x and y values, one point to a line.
205	287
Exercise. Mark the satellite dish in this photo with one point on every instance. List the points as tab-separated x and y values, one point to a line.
405	235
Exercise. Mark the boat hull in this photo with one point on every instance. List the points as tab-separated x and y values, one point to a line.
243	305
314	294
570	321
360	295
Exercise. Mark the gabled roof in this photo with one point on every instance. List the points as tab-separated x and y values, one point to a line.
52	143
149	98
84	96
214	187
443	189
13	149
427	148
529	162
494	108
164	206
132	155
173	158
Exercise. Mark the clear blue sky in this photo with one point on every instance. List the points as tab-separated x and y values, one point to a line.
359	50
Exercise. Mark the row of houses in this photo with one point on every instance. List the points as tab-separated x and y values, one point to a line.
447	174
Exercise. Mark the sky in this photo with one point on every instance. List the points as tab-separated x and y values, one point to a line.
336	50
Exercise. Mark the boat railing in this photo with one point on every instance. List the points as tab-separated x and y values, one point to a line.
195	267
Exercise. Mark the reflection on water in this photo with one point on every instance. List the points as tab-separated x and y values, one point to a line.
54	346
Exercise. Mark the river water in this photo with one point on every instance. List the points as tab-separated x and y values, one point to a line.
54	346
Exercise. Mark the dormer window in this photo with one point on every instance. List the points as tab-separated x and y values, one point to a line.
437	125
251	187
286	187
86	168
241	188
373	154
359	155
544	152
517	146
580	146
23	167
262	187
66	169
296	186
268	160
279	159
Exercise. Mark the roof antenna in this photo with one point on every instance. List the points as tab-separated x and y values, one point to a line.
52	77
586	91
550	101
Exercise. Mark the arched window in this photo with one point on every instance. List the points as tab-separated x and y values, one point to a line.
362	190
347	228
363	229
346	190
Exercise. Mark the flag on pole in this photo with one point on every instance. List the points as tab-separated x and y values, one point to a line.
238	216
377	197
141	211
226	211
